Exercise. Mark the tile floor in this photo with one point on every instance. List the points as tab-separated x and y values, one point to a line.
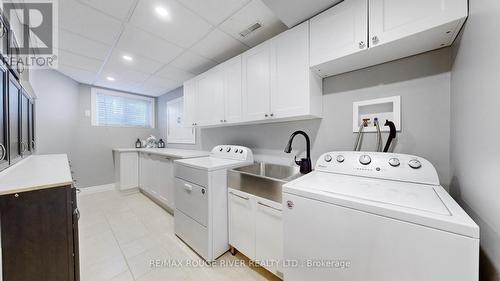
120	235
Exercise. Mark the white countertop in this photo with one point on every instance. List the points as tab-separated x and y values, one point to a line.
170	152
36	172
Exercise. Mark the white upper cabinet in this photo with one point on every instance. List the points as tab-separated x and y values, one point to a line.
339	31
257	82
233	100
210	95
393	19
359	33
190	102
295	91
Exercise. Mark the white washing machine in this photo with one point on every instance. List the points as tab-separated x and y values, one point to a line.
200	215
364	216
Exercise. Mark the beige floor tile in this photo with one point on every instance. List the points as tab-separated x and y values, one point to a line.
104	271
124	276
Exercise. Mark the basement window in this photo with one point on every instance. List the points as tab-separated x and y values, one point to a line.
117	109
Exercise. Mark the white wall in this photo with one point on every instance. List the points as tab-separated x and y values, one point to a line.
423	82
63	127
475	149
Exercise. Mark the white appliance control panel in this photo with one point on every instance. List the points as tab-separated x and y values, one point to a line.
235	152
391	166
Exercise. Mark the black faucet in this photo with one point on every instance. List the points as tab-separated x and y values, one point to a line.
304	163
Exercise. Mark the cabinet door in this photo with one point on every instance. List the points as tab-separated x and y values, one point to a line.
31	111
37	236
340	31
129	170
190	103
4	153
210	98
233	90
269	234
25	130
166	181
257	82
290	92
144	171
14	120
242	222
394	19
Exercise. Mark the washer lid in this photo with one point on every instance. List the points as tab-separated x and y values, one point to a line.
418	203
210	163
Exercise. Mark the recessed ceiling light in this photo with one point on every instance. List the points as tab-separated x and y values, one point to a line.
127	58
162	12
109	78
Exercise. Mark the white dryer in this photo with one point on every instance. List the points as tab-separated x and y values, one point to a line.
364	216
200	191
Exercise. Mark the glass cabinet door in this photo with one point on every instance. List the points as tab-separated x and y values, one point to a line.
4	152
25	129
31	117
14	120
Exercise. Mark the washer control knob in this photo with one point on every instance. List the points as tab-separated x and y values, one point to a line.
365	159
415	164
228	149
221	149
241	151
328	158
394	162
340	158
236	150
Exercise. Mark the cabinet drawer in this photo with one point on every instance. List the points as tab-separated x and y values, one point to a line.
197	176
269	235
192	233
192	200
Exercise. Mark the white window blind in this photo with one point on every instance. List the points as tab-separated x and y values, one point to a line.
110	108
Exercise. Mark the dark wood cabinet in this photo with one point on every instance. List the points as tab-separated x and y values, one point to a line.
4	152
14	96
31	117
39	233
25	125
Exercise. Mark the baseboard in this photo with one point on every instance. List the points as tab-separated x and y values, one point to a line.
97	188
158	202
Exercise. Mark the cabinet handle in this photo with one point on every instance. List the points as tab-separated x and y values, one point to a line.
76	212
272	114
265	115
242	197
375	40
188	187
362	45
265	205
4	152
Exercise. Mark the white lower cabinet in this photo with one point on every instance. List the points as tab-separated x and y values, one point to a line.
256	229
126	170
156	177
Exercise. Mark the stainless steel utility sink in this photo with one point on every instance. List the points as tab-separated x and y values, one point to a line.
262	179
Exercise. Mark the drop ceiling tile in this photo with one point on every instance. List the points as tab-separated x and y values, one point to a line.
148	45
219	46
88	22
82	46
116	8
122	76
175	74
79	75
254	12
157	86
138	63
179	25
193	63
214	11
77	61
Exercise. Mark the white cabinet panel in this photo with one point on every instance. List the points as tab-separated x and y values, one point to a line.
291	74
339	31
190	102
233	90
166	181
210	98
242	222
257	82
269	235
176	131
128	170
394	19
